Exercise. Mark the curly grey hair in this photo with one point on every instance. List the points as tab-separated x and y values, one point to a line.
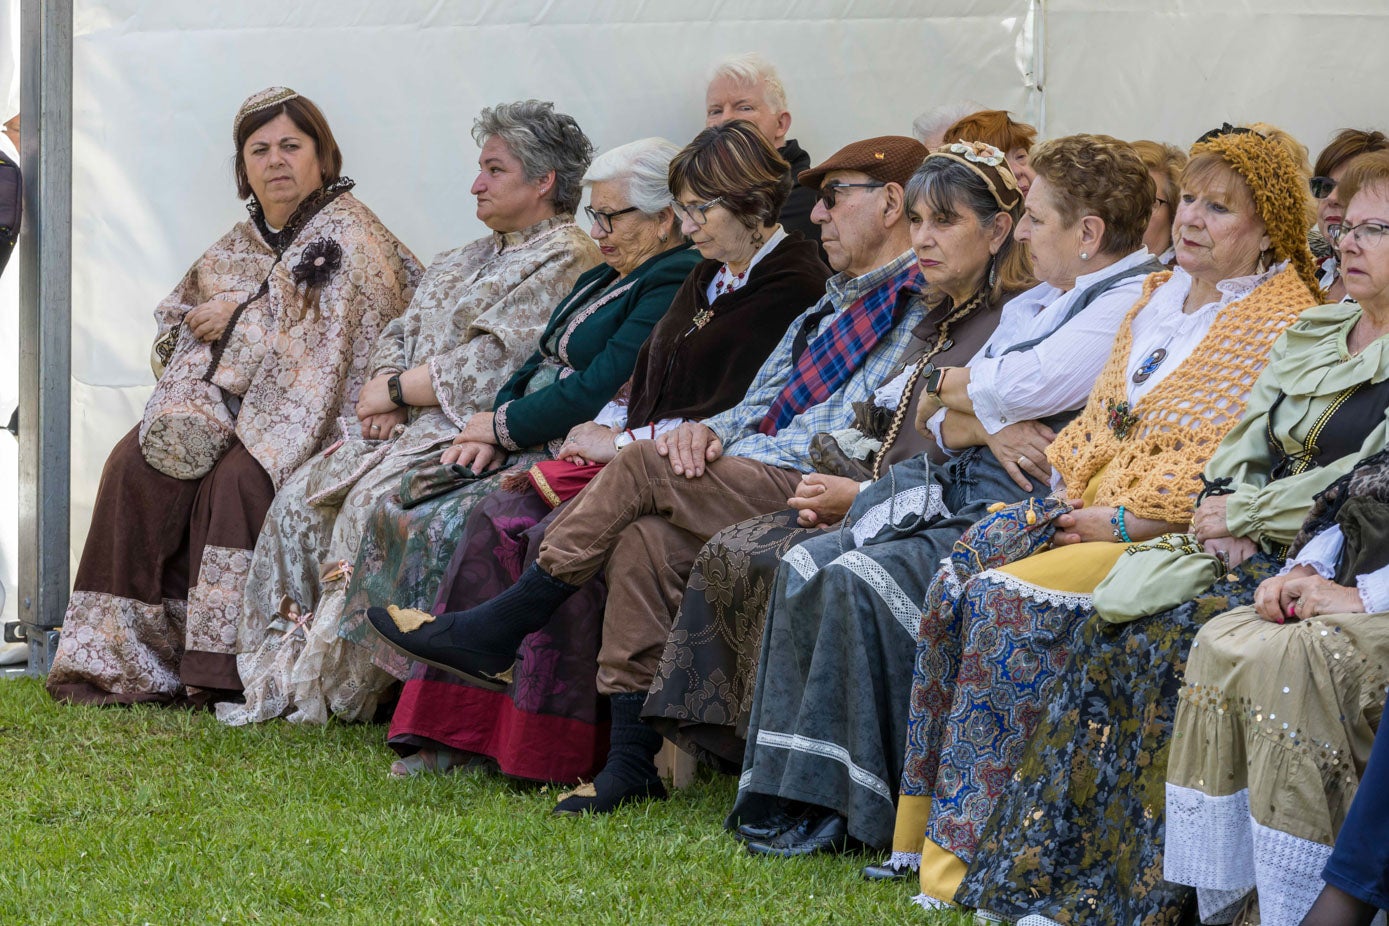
642	167
543	141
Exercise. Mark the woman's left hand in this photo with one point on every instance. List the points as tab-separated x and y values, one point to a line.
823	500
1210	521
589	443
1084	525
1312	595
478	430
209	320
471	455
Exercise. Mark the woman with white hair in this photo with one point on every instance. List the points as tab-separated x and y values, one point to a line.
510	342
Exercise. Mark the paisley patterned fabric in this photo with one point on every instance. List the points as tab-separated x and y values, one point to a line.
1077	835
476	316
157	592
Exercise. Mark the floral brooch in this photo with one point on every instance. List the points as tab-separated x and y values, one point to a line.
318	262
1121	418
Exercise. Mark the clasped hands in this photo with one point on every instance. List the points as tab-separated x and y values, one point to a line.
475	447
1302	593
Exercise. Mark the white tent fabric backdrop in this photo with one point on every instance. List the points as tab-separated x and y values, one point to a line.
157	81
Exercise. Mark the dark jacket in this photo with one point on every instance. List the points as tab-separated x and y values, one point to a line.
601	349
795	214
689	372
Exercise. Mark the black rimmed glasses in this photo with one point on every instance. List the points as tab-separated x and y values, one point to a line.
828	193
696	212
1367	234
1322	187
604	220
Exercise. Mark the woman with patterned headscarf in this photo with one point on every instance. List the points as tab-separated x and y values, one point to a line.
266	342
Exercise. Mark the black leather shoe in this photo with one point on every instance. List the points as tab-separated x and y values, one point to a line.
812	834
886	873
440	645
766	828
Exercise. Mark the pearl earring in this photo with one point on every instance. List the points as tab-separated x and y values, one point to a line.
1084	255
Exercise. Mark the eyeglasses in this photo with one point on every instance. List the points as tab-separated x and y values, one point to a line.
1159	201
1227	129
604	220
828	193
696	212
1321	187
1367	234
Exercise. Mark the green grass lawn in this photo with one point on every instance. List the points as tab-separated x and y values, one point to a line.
149	815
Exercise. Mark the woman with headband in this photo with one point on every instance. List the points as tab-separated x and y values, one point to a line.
845	603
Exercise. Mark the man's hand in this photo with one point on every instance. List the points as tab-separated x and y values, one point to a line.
690	447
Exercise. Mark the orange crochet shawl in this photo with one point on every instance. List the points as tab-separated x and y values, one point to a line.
1155	470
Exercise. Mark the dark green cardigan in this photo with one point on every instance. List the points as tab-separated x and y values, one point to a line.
600	350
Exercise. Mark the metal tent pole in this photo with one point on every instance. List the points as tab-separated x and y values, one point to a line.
45	322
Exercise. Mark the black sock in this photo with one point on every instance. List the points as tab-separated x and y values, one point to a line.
504	621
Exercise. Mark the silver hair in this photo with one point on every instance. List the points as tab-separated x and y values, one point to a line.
748	69
543	141
642	167
933	122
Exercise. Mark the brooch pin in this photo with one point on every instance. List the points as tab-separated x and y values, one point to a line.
1121	418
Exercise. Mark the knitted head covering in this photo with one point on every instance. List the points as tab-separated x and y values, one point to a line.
1278	189
264	99
990	164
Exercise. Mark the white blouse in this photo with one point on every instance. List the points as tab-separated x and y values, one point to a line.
1322	553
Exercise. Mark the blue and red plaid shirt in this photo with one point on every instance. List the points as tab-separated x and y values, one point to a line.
838	351
740	426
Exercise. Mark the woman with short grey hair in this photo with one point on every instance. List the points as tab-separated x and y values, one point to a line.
543	141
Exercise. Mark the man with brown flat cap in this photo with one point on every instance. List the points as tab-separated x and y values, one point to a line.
644	518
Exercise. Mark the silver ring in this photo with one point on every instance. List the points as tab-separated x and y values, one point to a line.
398	430
376	427
1023	461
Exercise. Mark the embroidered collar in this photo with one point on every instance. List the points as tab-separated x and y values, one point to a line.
503	242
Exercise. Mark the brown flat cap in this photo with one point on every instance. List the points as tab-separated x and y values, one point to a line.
889	158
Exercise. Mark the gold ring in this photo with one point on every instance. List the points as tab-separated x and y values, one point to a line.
1023	461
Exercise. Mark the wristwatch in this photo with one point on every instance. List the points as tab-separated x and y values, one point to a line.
934	377
395	392
623	439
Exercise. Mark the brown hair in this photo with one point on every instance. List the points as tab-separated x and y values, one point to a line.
307	118
1104	177
1345	145
734	163
945	186
1167	162
1366	171
995	127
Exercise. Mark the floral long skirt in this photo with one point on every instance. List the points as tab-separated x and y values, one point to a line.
1077	835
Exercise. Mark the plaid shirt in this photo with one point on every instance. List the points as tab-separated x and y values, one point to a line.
789	448
839	349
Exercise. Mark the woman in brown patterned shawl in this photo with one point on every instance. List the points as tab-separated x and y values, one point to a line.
290	302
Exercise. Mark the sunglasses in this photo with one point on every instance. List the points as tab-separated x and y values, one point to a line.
1322	187
828	194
